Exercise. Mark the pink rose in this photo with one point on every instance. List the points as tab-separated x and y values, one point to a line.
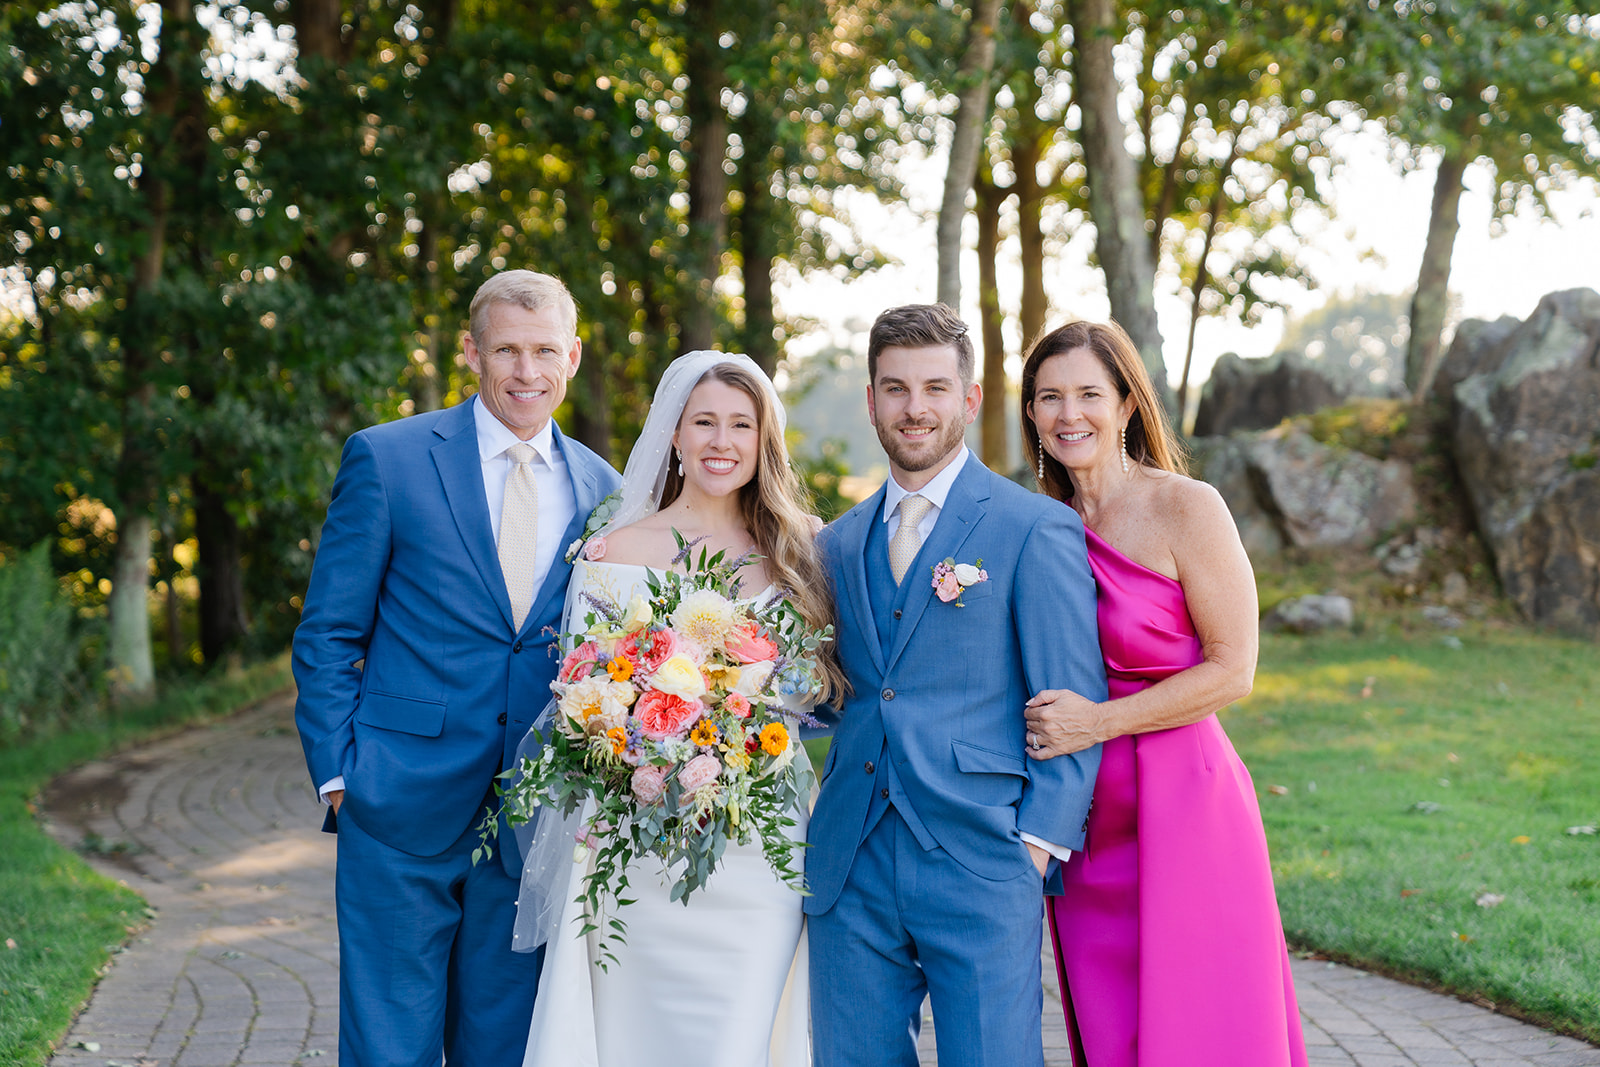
662	715
749	645
698	773
595	549
736	704
649	782
663	645
579	662
947	586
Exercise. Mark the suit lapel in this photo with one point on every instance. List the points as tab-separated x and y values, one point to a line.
586	495
852	533
963	509
461	472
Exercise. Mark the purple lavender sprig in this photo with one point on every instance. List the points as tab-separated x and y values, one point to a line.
683	553
608	611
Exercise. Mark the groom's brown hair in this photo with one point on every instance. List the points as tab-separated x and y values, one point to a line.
921	326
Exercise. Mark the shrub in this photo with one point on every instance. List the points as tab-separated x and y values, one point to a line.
41	671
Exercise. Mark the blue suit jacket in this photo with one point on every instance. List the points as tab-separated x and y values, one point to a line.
412	684
948	696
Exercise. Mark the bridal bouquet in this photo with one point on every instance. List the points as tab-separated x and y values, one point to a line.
670	716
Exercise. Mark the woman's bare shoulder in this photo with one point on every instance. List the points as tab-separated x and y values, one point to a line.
646	543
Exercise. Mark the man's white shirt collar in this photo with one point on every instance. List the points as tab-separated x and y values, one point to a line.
494	436
934	492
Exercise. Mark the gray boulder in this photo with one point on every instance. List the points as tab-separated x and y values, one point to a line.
1526	437
1309	614
1323	496
1225	463
1478	346
1254	394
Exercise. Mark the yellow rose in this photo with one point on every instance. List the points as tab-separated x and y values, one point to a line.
638	615
679	676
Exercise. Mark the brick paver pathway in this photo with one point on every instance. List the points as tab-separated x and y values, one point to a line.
218	828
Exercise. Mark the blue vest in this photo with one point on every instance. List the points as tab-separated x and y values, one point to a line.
888	601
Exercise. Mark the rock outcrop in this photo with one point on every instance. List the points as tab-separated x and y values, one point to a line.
1254	394
1525	431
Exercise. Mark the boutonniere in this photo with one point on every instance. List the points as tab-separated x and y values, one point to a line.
597	518
951	579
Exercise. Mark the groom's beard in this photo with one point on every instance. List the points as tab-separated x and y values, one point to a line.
905	455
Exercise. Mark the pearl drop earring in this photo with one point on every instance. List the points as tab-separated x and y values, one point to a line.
1124	449
680	463
1041	465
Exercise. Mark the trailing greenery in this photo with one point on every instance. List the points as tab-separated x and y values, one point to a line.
1432	809
64	919
41	662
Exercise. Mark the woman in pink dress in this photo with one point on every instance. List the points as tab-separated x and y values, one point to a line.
1167	937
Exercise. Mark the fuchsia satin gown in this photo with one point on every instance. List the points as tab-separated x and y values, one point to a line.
1167	938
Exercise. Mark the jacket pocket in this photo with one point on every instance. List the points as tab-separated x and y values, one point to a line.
407	715
971	759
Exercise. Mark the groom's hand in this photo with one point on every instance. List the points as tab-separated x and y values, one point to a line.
1041	858
336	797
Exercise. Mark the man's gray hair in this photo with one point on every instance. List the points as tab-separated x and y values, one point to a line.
529	290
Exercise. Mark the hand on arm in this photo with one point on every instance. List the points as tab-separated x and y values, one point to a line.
1220	590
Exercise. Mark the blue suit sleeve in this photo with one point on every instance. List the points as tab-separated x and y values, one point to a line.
1060	639
341	611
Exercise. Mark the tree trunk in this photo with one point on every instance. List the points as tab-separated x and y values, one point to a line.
708	182
133	672
1200	279
1030	235
1116	205
1431	302
993	446
220	571
972	115
756	244
591	395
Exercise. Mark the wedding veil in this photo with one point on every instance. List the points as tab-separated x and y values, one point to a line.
549	839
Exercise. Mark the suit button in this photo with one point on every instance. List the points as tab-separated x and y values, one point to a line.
517	647
502	719
888	694
870	768
884	794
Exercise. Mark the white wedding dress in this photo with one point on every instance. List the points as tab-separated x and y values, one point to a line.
721	982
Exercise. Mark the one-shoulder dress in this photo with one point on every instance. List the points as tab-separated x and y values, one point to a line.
1167	938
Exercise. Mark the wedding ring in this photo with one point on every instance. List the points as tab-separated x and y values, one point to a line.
1033	739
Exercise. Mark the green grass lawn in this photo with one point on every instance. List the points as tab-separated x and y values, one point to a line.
1420	801
59	920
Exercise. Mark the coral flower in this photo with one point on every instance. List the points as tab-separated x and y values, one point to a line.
774	739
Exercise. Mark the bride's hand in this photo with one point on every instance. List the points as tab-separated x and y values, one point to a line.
1061	722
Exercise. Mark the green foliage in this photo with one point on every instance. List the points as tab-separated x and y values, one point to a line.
1422	782
822	473
42	669
66	919
1371	426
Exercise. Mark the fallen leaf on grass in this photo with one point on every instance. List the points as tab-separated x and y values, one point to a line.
1278	790
1463	938
1366	686
1521	839
1426	807
1489	900
1576	830
11	942
88	1046
1409	892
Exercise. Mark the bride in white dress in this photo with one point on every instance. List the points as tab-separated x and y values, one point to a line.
722	981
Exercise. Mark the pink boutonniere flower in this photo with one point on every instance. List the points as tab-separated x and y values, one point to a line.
951	579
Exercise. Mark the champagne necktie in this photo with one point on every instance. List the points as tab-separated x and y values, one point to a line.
519	530
907	541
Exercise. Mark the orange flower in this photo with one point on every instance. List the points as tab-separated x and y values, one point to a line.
620	668
704	733
774	739
619	740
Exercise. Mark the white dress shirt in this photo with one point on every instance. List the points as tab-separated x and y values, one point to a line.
936	492
557	501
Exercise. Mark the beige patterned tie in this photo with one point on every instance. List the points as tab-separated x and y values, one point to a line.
519	530
907	542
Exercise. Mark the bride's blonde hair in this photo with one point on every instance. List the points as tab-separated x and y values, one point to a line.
773	505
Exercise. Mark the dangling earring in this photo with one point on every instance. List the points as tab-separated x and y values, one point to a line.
680	463
1041	465
1124	448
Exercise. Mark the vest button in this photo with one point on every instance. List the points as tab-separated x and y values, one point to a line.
884	794
869	767
888	694
502	719
897	613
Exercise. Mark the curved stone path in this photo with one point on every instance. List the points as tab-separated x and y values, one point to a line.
218	828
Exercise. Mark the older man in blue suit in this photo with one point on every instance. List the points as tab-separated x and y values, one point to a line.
933	832
421	658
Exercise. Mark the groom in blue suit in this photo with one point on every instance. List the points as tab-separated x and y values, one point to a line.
933	833
421	659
